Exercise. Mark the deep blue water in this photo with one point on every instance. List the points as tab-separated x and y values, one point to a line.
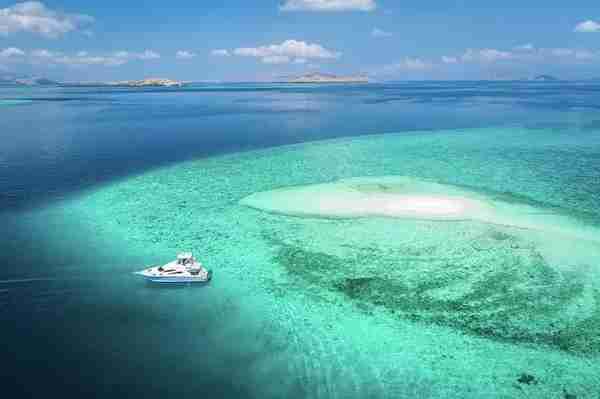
66	139
55	142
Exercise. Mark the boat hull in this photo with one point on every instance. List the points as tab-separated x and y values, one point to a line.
177	279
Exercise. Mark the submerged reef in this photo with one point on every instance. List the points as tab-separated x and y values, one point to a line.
490	290
491	276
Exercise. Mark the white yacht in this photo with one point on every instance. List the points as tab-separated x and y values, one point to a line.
185	269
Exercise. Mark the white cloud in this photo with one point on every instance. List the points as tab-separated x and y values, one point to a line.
147	55
184	55
84	58
486	59
567	54
487	55
35	17
144	55
492	55
11	52
220	53
584	55
562	52
525	54
588	26
408	64
376	32
414	64
328	5
289	49
406	67
42	53
276	59
449	60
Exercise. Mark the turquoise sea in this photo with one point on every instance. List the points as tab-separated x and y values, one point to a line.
326	284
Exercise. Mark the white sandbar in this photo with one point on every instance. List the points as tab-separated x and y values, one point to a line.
380	196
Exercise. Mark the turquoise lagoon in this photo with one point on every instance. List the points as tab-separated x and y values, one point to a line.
309	304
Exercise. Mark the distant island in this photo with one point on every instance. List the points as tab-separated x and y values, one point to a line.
38	81
151	82
23	80
325	78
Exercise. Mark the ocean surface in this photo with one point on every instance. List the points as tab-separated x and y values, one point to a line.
96	183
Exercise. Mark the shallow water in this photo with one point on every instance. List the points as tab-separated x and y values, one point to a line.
13	102
310	306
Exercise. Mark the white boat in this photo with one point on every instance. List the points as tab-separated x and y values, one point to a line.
185	269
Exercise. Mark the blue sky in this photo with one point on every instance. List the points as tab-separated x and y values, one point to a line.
264	39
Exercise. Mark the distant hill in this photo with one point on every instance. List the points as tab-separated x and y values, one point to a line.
150	82
21	80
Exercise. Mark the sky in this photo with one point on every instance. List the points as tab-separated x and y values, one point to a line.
261	40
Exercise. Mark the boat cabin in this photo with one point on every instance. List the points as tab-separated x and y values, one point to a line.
185	259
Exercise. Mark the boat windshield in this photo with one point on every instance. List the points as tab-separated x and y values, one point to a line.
185	259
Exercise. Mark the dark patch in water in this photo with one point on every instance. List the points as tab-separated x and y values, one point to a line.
509	294
527	379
